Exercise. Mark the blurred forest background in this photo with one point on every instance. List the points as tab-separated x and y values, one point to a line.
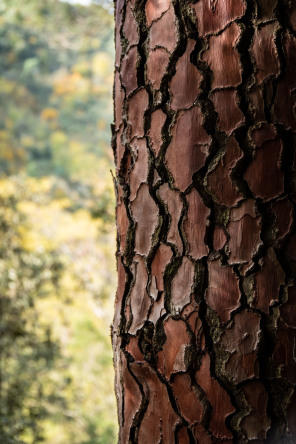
57	236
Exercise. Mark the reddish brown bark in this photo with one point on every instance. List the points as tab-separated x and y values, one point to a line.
204	141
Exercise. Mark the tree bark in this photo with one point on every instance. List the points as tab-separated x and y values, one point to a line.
204	330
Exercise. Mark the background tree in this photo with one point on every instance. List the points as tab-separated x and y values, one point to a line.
204	142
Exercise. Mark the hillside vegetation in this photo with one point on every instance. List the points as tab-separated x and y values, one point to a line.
57	237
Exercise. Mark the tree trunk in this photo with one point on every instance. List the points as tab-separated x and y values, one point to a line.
204	330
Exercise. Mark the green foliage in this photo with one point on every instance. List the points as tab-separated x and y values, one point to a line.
55	355
56	78
57	271
27	348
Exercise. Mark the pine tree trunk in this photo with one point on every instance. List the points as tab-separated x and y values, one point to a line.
204	138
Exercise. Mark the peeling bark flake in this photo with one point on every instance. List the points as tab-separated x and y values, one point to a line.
223	58
218	398
195	225
171	358
189	405
159	419
264	52
136	107
119	292
219	180
129	70
155	8
158	119
185	84
257	423
160	261
283	210
244	230
225	11
267	282
132	400
122	221
285	352
130	29
163	31
156	66
264	174
219	238
182	284
139	172
226	105
188	147
174	206
145	213
223	293
288	312
285	95
139	299
241	341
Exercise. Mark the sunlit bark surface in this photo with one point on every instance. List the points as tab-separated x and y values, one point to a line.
204	140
